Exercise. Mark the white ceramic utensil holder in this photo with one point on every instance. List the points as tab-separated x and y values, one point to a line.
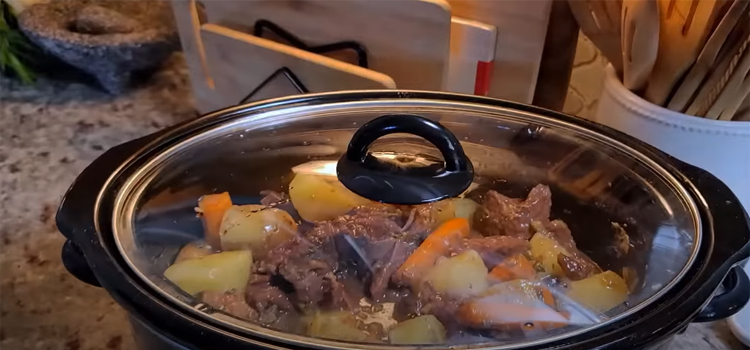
720	147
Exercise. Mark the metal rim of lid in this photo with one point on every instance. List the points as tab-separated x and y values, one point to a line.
284	110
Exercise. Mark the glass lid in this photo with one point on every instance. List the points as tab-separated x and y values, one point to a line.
559	231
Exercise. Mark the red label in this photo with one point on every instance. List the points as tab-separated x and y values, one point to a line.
484	76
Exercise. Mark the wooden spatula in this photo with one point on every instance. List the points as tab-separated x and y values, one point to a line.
684	28
707	58
640	41
600	21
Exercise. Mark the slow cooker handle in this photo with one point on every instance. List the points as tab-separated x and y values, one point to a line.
75	216
386	182
730	225
75	263
735	296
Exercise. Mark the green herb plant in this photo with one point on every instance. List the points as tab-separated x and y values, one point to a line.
16	52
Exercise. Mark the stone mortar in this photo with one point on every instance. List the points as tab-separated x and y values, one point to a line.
110	40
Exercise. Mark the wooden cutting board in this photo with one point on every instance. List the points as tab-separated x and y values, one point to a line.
240	62
472	56
407	40
188	22
521	31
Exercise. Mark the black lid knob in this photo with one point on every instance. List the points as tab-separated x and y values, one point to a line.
387	182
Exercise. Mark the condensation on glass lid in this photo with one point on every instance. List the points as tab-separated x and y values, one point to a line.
319	261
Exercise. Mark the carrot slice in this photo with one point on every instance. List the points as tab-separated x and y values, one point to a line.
548	298
488	314
213	207
436	245
515	267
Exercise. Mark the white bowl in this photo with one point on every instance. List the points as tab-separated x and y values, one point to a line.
719	147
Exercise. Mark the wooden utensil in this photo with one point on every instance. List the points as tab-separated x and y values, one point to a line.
733	93
522	28
737	109
640	41
241	62
683	30
707	58
743	113
600	21
407	40
472	56
729	58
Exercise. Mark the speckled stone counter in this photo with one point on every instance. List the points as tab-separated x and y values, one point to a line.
48	133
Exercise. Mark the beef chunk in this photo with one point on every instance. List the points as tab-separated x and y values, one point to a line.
308	278
577	265
423	218
384	257
232	303
308	262
500	215
375	223
428	302
273	306
261	294
558	230
346	292
304	265
387	265
573	268
495	248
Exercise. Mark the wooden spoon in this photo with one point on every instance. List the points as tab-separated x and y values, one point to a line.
684	27
640	41
707	58
600	21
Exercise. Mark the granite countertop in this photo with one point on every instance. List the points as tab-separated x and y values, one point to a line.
48	133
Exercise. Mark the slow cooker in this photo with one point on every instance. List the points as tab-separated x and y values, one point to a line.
669	234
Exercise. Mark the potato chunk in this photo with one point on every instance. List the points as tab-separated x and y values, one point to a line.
544	250
216	272
336	325
425	329
444	210
462	275
321	197
600	292
255	227
464	208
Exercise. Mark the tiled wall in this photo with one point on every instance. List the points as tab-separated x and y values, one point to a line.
586	80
